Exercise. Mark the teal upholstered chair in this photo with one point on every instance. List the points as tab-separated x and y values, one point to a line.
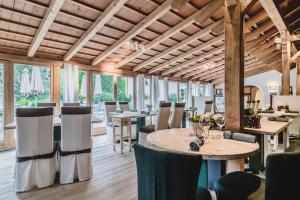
236	186
282	174
168	176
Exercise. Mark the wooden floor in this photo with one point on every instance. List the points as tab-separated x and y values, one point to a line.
114	178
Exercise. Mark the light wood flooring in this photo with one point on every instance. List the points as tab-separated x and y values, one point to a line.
114	178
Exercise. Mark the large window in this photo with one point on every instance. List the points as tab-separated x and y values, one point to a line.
82	86
31	85
103	90
172	96
147	90
161	90
125	89
1	102
183	92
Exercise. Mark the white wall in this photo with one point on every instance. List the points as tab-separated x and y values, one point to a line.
263	80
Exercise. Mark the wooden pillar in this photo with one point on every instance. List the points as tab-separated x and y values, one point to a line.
9	141
298	77
234	66
286	55
56	87
115	82
89	100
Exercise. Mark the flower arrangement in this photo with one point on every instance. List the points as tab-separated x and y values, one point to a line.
207	119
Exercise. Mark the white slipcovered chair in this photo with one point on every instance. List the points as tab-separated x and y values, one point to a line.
109	106
208	106
162	122
176	117
124	105
76	144
36	163
71	104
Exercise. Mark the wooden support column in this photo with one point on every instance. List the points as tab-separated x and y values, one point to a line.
9	141
298	77
56	87
286	55
234	66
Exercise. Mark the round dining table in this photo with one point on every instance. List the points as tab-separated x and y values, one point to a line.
220	156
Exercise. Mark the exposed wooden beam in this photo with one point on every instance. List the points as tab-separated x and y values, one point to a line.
295	37
182	67
195	18
294	57
256	33
177	46
44	26
234	66
95	27
147	21
183	55
255	19
270	8
176	5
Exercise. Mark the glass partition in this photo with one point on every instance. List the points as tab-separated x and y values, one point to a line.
103	90
183	92
161	90
32	85
125	91
172	96
147	90
1	102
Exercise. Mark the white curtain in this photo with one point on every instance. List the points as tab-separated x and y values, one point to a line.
190	94
166	86
71	83
197	94
155	92
140	92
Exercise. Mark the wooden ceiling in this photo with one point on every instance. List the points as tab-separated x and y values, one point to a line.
180	38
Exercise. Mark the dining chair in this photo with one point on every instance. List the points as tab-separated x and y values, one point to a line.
162	122
71	104
36	164
236	185
75	157
176	116
208	106
282	174
109	106
168	176
124	105
46	105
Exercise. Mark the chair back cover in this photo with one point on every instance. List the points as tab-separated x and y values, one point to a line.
162	120
34	131
75	128
208	106
164	175
46	104
282	170
124	105
71	104
176	116
110	106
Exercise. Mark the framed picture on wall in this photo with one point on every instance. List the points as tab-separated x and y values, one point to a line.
219	92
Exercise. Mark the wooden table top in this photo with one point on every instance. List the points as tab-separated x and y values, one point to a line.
278	114
178	140
56	122
127	114
269	127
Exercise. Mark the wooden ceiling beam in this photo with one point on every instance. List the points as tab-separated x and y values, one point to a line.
177	46
45	26
295	37
147	21
95	27
195	18
188	53
294	57
270	8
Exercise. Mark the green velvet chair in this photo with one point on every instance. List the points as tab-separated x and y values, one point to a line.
236	186
282	176
168	176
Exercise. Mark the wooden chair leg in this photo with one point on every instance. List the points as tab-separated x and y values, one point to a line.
114	139
129	135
